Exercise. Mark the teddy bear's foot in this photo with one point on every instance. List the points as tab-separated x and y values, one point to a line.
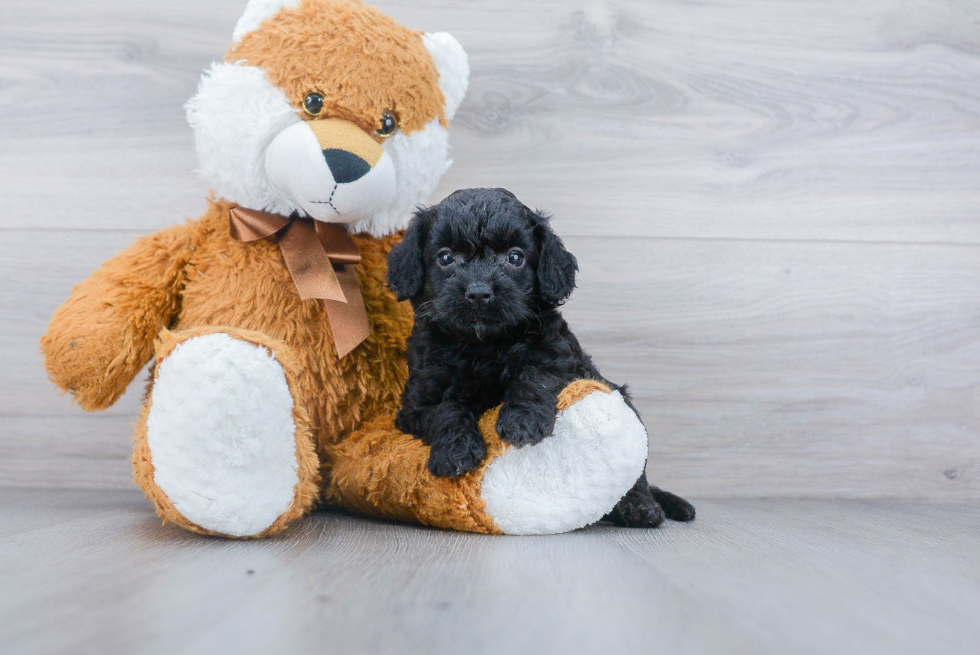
574	477
222	448
567	481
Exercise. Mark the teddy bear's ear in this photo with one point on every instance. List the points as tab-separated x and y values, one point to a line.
453	66
257	11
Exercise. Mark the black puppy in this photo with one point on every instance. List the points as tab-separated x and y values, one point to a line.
485	276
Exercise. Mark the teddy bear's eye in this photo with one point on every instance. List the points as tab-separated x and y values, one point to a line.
388	125
313	104
445	257
515	257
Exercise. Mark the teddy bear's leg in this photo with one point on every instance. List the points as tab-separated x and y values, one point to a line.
569	480
223	446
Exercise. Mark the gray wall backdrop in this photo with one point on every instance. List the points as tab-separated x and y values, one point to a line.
774	204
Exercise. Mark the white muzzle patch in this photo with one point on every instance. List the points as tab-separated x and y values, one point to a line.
328	184
251	142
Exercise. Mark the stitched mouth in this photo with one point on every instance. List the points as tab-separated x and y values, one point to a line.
329	201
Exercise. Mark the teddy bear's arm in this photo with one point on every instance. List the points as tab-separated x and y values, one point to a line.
103	335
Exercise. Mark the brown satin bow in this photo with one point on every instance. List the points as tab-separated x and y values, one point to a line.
320	258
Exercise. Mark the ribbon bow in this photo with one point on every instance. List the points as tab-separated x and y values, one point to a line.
320	258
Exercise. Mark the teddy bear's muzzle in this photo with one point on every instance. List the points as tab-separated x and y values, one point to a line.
349	152
345	166
332	169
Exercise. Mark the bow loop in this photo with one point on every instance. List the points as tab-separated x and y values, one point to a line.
320	258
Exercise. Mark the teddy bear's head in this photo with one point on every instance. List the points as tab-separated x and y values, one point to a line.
331	109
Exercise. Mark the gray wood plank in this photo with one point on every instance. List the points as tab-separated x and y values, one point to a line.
761	368
746	576
753	142
834	577
793	369
804	120
39	270
81	451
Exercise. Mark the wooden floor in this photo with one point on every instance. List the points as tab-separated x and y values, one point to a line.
775	204
95	572
776	209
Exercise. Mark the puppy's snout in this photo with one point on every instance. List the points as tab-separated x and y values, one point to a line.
479	293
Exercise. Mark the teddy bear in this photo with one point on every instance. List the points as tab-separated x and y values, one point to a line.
277	350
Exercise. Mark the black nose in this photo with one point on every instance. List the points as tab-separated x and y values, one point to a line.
479	293
345	166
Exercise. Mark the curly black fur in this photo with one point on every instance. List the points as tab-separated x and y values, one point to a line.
486	275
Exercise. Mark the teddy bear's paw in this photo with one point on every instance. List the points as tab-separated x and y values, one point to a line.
222	437
573	478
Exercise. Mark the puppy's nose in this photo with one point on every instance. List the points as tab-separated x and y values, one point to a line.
345	166
479	293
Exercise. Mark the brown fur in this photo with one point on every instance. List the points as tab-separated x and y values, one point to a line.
347	52
196	279
103	335
398	484
578	390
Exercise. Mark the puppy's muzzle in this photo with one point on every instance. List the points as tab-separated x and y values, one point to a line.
479	293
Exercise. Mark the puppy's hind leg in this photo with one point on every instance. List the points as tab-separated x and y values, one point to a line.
638	508
675	507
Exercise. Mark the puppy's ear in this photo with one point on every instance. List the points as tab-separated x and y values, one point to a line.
556	266
406	264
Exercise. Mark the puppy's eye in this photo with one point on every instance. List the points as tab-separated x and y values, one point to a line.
445	257
313	104
516	257
389	123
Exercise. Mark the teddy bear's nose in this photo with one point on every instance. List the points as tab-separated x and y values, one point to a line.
345	166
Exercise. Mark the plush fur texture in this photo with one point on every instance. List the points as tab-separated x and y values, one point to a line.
547	496
235	115
363	64
224	441
222	434
453	66
360	61
598	444
257	11
296	165
196	276
195	299
485	275
224	514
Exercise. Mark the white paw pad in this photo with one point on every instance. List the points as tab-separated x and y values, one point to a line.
222	436
572	478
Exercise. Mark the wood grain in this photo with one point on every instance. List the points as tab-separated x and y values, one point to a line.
95	572
804	120
761	368
774	205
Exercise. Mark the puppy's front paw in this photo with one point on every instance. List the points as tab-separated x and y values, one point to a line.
525	426
452	457
410	422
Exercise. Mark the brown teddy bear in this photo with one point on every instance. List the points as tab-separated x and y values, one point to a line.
279	351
